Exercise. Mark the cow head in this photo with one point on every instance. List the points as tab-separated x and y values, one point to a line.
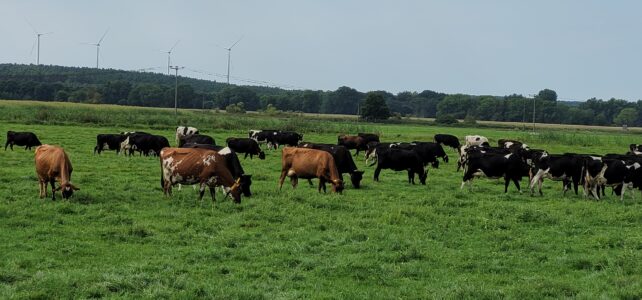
337	186
235	191
261	155
422	177
246	181
67	190
356	177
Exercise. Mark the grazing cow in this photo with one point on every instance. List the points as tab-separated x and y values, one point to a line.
289	138
429	152
196	139
400	160
109	142
183	131
146	143
52	163
511	144
567	168
245	145
492	165
232	162
27	139
197	166
309	163
342	159
373	147
125	147
635	149
476	140
448	140
261	136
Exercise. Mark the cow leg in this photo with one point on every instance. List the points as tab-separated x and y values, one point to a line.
42	186
322	184
5	146
245	155
213	193
201	191
310	181
376	173
506	182
282	178
516	182
411	177
53	188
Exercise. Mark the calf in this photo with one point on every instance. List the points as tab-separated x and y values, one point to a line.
197	166
196	139
245	145
309	163
52	163
27	139
183	131
109	141
400	160
342	159
232	163
448	140
510	166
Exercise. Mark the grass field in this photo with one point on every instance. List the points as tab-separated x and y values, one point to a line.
120	237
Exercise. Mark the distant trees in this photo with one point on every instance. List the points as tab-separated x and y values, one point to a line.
56	83
374	107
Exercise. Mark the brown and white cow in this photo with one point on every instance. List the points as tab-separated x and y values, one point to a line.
52	163
309	163
197	166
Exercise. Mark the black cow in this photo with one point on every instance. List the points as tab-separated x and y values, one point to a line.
429	152
635	149
232	162
196	139
567	168
342	159
369	137
109	141
245	145
448	140
510	166
373	147
400	160
27	139
289	138
146	143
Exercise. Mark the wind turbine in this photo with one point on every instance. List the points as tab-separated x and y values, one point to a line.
169	54
229	54
98	46
38	35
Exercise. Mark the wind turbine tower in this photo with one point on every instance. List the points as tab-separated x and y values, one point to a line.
229	55
38	35
169	55
98	46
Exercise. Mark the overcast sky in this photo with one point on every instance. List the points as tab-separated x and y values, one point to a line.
579	48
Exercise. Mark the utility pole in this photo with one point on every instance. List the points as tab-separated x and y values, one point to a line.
534	99
176	68
524	114
38	59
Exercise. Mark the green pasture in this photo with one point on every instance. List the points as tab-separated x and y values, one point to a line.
120	237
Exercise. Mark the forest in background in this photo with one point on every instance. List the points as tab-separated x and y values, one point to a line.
139	88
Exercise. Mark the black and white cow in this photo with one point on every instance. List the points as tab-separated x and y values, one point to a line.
510	166
196	139
232	162
125	147
400	160
342	159
27	139
567	168
289	138
109	142
245	145
146	143
476	140
183	131
261	136
372	147
448	140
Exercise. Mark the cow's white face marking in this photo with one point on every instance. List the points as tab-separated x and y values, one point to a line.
508	144
225	151
636	166
507	156
291	173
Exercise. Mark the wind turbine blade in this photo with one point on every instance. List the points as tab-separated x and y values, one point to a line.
101	39
171	49
50	32
235	43
31	25
219	46
32	47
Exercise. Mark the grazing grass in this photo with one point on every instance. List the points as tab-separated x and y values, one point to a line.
120	237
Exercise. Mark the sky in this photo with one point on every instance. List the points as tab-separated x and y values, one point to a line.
579	48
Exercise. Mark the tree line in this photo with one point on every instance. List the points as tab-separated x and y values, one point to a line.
108	86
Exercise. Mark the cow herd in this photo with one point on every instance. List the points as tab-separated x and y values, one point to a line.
199	161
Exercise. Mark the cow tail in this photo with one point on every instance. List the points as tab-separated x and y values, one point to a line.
162	177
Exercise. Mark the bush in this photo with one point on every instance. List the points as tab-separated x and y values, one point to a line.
238	108
446	119
470	120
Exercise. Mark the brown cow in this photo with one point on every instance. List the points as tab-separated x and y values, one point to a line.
52	163
309	163
197	166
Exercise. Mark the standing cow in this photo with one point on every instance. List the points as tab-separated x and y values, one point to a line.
309	163
27	139
245	145
109	142
183	131
52	163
